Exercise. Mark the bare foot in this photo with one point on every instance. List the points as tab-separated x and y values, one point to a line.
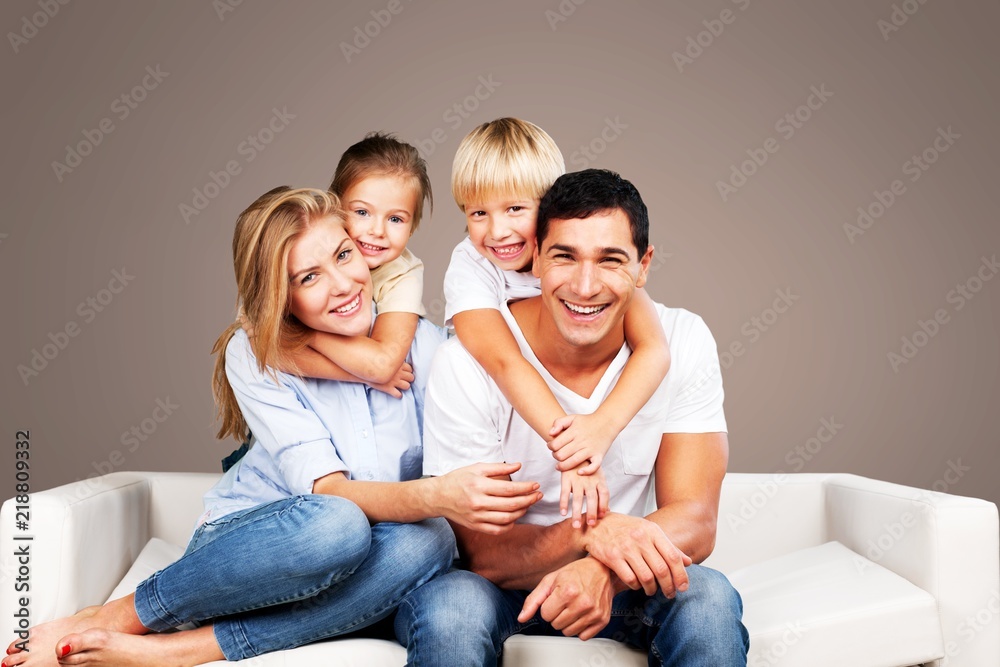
97	648
39	649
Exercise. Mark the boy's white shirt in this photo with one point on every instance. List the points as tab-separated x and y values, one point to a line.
473	282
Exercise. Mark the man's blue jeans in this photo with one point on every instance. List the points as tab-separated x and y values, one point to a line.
292	572
463	619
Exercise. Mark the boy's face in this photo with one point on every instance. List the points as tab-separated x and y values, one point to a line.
503	230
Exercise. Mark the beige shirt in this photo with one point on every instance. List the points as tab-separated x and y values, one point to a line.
398	286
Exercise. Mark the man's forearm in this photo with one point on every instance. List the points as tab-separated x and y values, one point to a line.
520	557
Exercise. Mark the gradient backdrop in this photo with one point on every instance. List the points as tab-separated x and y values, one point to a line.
821	178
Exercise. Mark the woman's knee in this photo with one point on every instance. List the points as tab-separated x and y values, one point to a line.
330	530
425	548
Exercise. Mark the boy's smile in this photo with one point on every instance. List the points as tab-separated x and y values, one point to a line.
503	231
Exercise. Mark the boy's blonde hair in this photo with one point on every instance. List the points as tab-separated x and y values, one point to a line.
505	157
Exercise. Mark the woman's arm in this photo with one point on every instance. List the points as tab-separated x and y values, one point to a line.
469	496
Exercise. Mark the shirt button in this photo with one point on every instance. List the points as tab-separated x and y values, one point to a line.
364	433
371	476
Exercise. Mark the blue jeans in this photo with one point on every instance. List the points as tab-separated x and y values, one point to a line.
292	572
463	619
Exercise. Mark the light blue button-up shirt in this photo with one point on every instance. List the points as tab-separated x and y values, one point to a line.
304	428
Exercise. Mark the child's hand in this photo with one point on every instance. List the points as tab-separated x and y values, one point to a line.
244	322
593	487
398	384
578	438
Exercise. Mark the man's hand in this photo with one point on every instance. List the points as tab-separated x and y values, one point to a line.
471	497
399	383
578	439
575	599
592	487
638	551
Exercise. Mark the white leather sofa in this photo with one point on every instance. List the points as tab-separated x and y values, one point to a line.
835	570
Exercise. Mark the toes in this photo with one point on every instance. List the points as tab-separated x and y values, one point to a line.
70	649
15	659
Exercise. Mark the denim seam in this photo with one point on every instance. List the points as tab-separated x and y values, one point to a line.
156	605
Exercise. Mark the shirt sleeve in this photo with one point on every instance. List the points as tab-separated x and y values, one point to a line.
399	285
470	283
696	405
462	413
292	434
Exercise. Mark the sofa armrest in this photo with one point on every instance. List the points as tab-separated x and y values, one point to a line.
84	537
947	545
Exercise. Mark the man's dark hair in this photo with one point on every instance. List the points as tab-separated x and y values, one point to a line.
581	194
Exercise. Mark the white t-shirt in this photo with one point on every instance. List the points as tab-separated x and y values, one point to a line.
468	420
473	282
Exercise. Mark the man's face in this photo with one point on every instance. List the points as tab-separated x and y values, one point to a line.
589	270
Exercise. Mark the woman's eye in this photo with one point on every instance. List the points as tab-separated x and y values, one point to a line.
307	278
361	212
344	255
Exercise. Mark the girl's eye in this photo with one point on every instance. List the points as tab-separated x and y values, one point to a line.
396	219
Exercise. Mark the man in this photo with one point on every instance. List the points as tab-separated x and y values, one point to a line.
631	576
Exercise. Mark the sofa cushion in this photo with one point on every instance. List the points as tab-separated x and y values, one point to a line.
156	555
826	606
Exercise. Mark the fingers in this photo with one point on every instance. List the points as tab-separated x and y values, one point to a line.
593	466
496	469
603	500
560	425
535	598
674	576
579	493
566	487
568	459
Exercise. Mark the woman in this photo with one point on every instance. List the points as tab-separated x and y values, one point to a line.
324	525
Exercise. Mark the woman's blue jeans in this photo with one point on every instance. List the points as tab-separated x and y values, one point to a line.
292	572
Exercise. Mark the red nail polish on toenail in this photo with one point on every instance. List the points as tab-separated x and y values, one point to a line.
65	651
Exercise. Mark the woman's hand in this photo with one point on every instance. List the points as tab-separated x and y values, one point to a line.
473	496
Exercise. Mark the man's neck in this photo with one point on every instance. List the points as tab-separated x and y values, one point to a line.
578	368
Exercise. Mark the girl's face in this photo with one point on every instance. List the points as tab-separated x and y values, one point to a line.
330	287
380	212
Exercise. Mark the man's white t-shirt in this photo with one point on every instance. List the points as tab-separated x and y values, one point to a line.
473	282
467	419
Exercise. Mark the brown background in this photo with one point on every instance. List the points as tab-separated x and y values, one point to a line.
679	133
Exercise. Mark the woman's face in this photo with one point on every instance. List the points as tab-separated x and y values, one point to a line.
330	287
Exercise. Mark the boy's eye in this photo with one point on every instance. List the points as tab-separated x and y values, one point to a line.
478	214
515	209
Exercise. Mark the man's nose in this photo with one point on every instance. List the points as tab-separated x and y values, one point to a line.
586	283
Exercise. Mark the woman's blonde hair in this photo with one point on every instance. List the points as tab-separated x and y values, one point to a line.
264	235
506	157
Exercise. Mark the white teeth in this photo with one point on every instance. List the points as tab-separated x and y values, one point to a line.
508	250
371	247
584	310
351	306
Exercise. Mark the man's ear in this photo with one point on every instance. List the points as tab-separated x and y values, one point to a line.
534	261
644	263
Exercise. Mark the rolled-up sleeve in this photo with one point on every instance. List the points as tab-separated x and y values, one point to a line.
293	435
